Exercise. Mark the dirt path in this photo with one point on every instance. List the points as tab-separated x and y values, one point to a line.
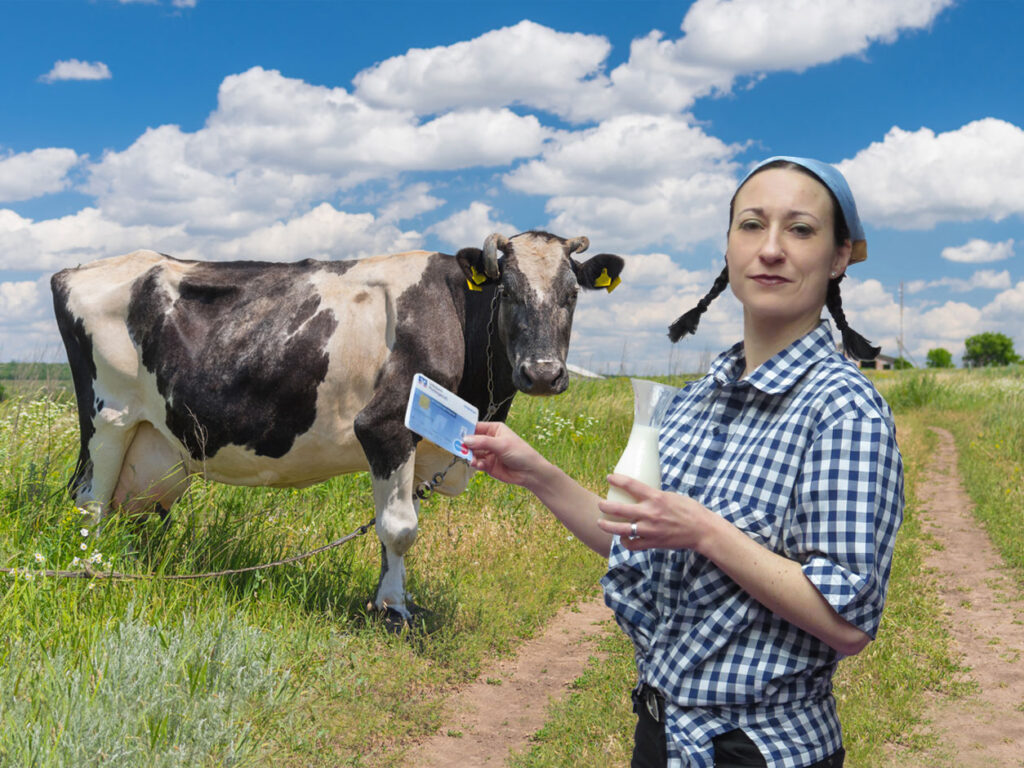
985	616
507	703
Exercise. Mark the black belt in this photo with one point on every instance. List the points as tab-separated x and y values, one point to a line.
650	700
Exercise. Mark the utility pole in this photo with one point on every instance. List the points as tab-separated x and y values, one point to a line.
902	354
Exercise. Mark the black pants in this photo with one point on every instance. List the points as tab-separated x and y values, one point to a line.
732	750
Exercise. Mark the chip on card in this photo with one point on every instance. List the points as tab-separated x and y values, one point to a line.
440	416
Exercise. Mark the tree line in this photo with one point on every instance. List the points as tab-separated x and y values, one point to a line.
981	350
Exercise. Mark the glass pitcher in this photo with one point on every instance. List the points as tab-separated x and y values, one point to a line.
640	460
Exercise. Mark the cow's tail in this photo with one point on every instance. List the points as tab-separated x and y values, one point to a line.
78	344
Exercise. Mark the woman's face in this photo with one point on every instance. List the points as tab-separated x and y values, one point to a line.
782	250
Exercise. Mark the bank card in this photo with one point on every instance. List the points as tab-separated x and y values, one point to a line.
440	416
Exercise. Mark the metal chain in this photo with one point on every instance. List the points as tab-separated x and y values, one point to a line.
492	408
426	488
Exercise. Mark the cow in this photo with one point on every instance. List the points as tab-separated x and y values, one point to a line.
287	374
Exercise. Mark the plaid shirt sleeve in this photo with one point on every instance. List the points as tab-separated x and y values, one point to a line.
849	501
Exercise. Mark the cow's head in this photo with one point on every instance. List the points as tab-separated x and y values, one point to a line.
538	281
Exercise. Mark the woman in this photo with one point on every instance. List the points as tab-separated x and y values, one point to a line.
765	557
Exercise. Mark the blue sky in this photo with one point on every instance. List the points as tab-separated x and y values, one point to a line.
286	130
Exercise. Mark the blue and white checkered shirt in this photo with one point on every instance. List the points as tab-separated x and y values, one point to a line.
802	456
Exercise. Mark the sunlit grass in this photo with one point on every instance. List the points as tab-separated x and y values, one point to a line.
328	685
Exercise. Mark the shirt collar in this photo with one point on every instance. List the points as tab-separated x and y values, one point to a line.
780	372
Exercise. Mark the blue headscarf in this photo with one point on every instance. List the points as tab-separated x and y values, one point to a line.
834	180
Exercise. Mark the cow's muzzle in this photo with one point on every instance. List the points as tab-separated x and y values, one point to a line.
541	377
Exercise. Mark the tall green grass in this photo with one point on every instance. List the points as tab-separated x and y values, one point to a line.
292	668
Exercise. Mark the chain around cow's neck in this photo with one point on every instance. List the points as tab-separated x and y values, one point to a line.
426	488
493	407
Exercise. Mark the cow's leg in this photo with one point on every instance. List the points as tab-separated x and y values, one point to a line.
390	450
397	521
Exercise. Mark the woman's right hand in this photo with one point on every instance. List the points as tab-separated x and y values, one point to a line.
503	454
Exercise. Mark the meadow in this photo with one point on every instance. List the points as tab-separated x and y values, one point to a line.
288	667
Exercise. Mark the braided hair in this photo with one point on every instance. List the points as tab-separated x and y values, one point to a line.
688	322
853	343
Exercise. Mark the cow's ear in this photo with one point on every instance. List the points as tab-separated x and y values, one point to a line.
600	271
472	262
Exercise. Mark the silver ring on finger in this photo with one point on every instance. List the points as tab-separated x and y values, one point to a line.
633	535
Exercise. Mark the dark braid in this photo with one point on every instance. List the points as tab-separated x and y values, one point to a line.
854	344
688	323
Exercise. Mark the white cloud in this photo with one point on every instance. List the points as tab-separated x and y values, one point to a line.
40	172
985	278
21	300
914	180
757	36
470	227
979	251
563	73
276	145
75	239
322	233
409	201
523	64
635	181
73	69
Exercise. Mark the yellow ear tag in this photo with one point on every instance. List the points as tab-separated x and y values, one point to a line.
478	277
614	284
472	287
603	279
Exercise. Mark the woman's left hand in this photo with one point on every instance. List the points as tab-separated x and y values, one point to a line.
663	520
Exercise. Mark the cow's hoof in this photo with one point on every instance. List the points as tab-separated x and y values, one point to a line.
395	620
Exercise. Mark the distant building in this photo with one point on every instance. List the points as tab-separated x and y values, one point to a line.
880	363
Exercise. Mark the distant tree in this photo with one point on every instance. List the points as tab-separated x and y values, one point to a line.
939	358
989	349
902	364
3	394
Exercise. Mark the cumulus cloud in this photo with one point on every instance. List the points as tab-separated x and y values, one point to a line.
75	239
276	145
635	181
73	69
523	64
979	251
20	300
986	278
470	227
563	73
40	172
916	179
322	233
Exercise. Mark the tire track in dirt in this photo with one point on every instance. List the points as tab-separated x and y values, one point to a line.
985	615
508	702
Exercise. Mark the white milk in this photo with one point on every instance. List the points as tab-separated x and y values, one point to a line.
640	461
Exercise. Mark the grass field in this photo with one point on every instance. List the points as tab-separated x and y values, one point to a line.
286	667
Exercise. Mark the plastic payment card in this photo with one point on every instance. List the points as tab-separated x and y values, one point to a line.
441	416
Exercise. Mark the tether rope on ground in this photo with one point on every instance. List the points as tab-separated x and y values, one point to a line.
93	573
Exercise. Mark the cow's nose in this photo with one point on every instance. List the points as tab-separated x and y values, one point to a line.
546	377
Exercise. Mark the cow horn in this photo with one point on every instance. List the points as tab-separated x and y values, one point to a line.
491	246
577	244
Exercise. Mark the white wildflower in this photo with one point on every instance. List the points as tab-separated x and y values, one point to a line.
40	558
84	532
83	546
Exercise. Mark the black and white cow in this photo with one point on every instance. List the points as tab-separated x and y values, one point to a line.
286	374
